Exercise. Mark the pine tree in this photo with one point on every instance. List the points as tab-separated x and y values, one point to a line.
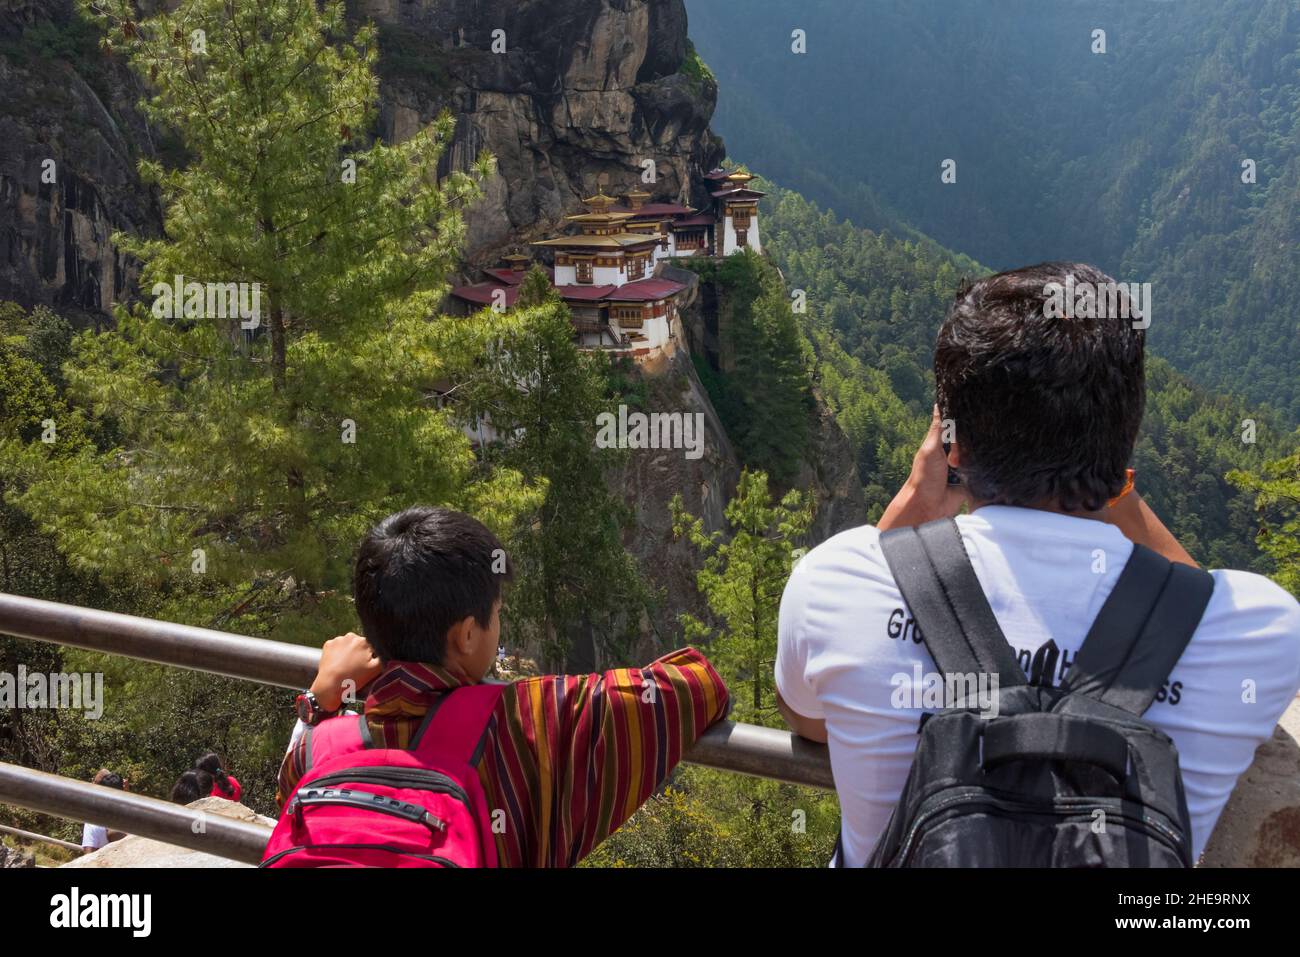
1277	501
256	448
742	580
541	397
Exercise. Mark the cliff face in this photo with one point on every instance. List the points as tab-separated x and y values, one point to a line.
582	88
570	91
70	139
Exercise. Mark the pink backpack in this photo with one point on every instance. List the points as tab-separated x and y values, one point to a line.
360	806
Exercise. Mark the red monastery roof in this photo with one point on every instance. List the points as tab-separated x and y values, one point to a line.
741	193
645	290
699	219
510	277
584	293
481	293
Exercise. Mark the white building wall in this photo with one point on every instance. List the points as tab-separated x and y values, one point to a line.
729	245
600	276
607	276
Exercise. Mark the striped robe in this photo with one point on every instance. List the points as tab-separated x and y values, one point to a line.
567	757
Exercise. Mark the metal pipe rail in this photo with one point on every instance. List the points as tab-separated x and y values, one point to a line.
33	836
134	813
727	746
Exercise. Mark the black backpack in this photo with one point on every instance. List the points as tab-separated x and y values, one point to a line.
1067	776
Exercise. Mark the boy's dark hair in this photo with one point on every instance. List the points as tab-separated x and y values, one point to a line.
1045	409
419	572
188	789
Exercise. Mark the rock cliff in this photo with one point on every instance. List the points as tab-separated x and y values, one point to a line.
571	91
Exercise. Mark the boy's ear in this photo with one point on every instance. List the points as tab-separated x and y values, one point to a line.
460	636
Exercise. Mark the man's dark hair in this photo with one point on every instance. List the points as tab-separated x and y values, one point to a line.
112	780
419	572
1045	409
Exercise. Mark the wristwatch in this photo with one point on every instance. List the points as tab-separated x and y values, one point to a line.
310	712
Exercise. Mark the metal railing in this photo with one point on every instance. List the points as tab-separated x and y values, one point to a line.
134	813
741	748
33	836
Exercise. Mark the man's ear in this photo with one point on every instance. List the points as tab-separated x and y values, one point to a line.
954	455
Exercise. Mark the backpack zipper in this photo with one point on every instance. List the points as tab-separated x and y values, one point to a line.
1162	833
416	779
376	847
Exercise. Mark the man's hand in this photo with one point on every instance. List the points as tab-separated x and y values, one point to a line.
346	663
926	495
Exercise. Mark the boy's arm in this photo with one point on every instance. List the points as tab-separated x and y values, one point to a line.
347	664
602	744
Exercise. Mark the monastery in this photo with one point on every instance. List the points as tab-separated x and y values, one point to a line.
607	271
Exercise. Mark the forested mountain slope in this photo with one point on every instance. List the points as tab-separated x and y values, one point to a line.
1131	159
874	303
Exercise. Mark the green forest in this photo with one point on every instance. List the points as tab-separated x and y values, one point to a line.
1132	158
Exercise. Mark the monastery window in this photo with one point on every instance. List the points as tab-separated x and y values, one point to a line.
583	267
635	268
629	317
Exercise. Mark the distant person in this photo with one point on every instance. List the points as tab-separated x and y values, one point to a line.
189	787
95	836
224	784
1045	412
534	773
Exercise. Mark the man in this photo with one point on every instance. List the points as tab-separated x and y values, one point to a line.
1043	414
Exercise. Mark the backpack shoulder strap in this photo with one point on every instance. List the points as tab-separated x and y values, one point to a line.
457	727
341	734
1140	632
934	573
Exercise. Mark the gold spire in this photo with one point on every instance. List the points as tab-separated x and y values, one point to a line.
600	201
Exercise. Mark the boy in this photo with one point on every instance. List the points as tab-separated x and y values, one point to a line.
564	759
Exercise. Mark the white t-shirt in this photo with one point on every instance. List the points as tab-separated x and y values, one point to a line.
845	632
93	835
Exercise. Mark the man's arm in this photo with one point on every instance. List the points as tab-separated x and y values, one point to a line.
1140	525
814	729
926	495
791	666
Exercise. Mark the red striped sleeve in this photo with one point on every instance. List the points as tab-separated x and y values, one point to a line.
573	756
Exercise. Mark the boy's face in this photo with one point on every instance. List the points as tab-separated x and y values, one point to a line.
471	648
